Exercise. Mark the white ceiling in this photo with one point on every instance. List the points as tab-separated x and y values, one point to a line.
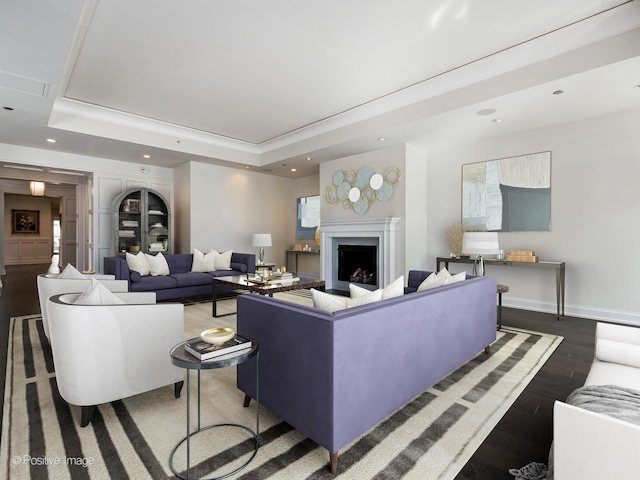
258	84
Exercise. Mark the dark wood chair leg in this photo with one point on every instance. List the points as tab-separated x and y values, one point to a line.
247	400
487	350
177	388
87	413
333	462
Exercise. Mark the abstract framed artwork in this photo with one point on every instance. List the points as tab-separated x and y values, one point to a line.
25	221
509	194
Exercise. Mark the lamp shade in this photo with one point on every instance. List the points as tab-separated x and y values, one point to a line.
261	239
480	243
37	189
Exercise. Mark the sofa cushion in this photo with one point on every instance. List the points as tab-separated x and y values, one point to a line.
138	263
149	283
458	277
328	302
97	294
157	264
432	281
370	297
394	289
239	267
223	260
203	262
191	279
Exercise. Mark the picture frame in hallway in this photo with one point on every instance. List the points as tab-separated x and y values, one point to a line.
25	221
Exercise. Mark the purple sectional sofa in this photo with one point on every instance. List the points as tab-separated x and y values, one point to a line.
181	282
335	376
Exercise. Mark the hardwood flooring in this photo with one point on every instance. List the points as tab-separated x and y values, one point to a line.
522	436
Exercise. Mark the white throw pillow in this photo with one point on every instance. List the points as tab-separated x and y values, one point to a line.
432	281
328	302
203	262
97	294
394	289
458	277
444	273
356	291
138	263
71	272
370	297
157	264
222	261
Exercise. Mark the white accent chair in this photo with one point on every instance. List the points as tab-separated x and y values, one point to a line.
104	353
588	445
50	284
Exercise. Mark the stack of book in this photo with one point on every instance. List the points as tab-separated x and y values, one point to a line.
204	351
523	256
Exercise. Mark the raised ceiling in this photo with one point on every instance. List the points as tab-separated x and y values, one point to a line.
258	84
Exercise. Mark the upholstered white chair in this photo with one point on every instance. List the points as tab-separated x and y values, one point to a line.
50	284
104	353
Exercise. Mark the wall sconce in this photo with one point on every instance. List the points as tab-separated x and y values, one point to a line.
261	240
37	189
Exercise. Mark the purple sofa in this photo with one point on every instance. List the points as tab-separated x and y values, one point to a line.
181	282
335	376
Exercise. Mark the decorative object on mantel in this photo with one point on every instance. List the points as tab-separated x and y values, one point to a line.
358	190
523	256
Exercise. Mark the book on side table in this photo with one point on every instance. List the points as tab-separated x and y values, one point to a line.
207	351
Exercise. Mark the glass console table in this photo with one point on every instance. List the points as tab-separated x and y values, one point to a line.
559	268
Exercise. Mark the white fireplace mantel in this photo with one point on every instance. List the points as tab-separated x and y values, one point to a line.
382	229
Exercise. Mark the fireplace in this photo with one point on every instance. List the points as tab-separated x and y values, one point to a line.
374	239
358	264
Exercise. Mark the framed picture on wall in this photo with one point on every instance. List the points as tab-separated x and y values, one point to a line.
25	221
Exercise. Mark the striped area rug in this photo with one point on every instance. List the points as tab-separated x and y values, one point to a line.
432	437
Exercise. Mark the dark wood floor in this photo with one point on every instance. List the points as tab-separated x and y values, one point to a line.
522	436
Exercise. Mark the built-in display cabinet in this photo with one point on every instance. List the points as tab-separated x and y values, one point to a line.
141	222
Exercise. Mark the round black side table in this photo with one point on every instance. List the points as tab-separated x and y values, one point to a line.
182	359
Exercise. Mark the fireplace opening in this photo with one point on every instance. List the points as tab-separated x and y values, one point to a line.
358	264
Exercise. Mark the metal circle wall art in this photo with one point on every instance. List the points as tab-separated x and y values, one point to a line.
359	189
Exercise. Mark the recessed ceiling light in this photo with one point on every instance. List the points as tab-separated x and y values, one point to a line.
146	156
247	167
486	111
558	92
51	140
294	169
496	120
8	108
308	158
382	139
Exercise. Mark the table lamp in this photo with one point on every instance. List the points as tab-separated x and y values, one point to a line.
261	240
479	244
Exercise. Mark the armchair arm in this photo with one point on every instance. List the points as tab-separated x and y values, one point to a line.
588	445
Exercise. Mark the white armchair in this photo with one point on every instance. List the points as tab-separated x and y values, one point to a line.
50	284
104	353
589	445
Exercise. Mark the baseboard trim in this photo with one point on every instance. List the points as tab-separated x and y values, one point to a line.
581	311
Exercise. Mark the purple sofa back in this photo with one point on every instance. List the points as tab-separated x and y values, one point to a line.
334	376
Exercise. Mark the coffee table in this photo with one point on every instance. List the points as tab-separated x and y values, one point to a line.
242	282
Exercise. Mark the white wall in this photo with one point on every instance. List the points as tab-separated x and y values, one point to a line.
595	215
229	205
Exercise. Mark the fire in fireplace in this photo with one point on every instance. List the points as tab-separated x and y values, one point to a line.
358	264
